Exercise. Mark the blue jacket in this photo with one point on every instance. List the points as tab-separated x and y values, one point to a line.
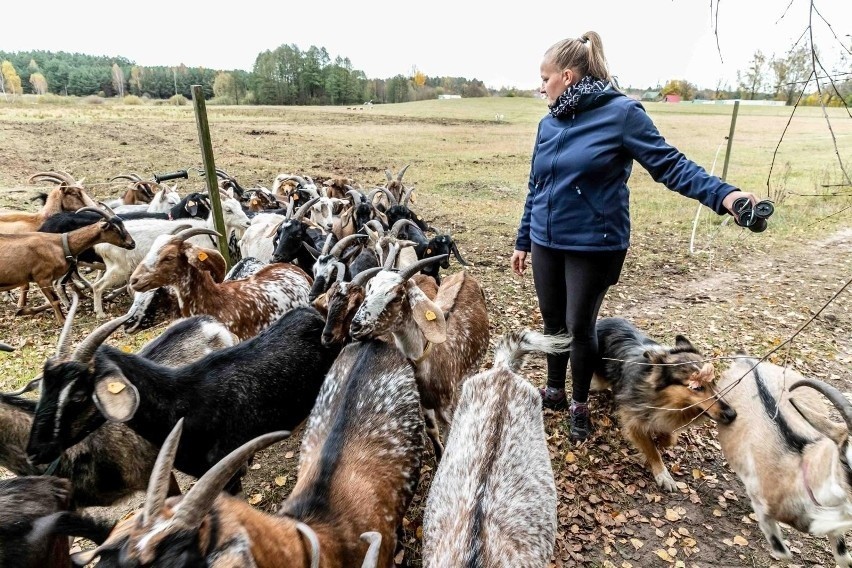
578	196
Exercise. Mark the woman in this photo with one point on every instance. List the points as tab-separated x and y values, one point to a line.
576	219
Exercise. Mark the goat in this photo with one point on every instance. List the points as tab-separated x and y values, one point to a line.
45	257
245	306
35	522
441	245
163	200
492	501
138	191
443	339
69	195
359	467
266	383
195	205
161	304
112	462
792	460
120	264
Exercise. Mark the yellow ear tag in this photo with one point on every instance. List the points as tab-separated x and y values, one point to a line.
202	256
115	387
430	315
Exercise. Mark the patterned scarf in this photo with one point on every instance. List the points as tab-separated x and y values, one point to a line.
566	104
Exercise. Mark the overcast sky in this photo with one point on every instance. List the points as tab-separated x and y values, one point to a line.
647	42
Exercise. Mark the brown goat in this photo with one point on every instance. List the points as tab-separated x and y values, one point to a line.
69	195
138	191
43	258
245	306
359	466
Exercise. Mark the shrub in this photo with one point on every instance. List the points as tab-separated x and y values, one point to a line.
93	100
132	100
178	100
221	101
53	99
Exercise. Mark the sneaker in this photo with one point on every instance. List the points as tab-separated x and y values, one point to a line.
580	422
553	398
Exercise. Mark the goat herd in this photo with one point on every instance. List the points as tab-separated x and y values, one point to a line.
335	316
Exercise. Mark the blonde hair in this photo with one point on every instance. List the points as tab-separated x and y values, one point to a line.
584	55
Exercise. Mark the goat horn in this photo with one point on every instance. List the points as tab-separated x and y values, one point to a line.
30	386
197	503
354	194
309	534
45	176
100	212
393	250
389	175
6	347
832	394
63	346
304	209
194	231
413	269
107	208
158	485
341	245
86	350
398	226
402	173
341	271
68	178
458	255
406	195
361	278
384	190
377	225
128	177
327	244
371	559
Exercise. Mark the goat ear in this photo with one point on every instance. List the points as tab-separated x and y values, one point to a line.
427	315
197	257
116	397
654	356
683	343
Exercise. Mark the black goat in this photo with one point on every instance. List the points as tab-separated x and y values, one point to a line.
195	205
440	245
266	383
113	462
67	221
34	522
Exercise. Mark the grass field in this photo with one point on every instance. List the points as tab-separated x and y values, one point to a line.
740	290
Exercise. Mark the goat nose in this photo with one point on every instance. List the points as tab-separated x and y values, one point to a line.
729	415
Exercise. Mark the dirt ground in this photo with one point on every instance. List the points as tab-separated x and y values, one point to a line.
742	295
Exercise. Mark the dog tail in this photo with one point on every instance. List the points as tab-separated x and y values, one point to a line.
514	346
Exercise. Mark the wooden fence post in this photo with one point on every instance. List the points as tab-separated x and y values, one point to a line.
210	170
730	140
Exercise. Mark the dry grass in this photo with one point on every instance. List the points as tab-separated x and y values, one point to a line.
742	290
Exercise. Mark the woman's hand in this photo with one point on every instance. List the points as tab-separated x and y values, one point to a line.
519	262
728	201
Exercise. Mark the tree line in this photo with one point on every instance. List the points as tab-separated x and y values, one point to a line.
283	76
787	78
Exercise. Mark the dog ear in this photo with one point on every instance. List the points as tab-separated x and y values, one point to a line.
654	356
683	343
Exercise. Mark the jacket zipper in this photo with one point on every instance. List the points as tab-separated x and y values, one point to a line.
552	182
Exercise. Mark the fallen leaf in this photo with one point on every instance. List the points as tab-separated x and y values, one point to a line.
289	454
664	555
570	457
255	499
740	541
281	480
637	544
672	515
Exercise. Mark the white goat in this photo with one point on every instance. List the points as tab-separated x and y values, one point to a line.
493	499
793	461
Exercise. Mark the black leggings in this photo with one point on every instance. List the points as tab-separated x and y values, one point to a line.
571	286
